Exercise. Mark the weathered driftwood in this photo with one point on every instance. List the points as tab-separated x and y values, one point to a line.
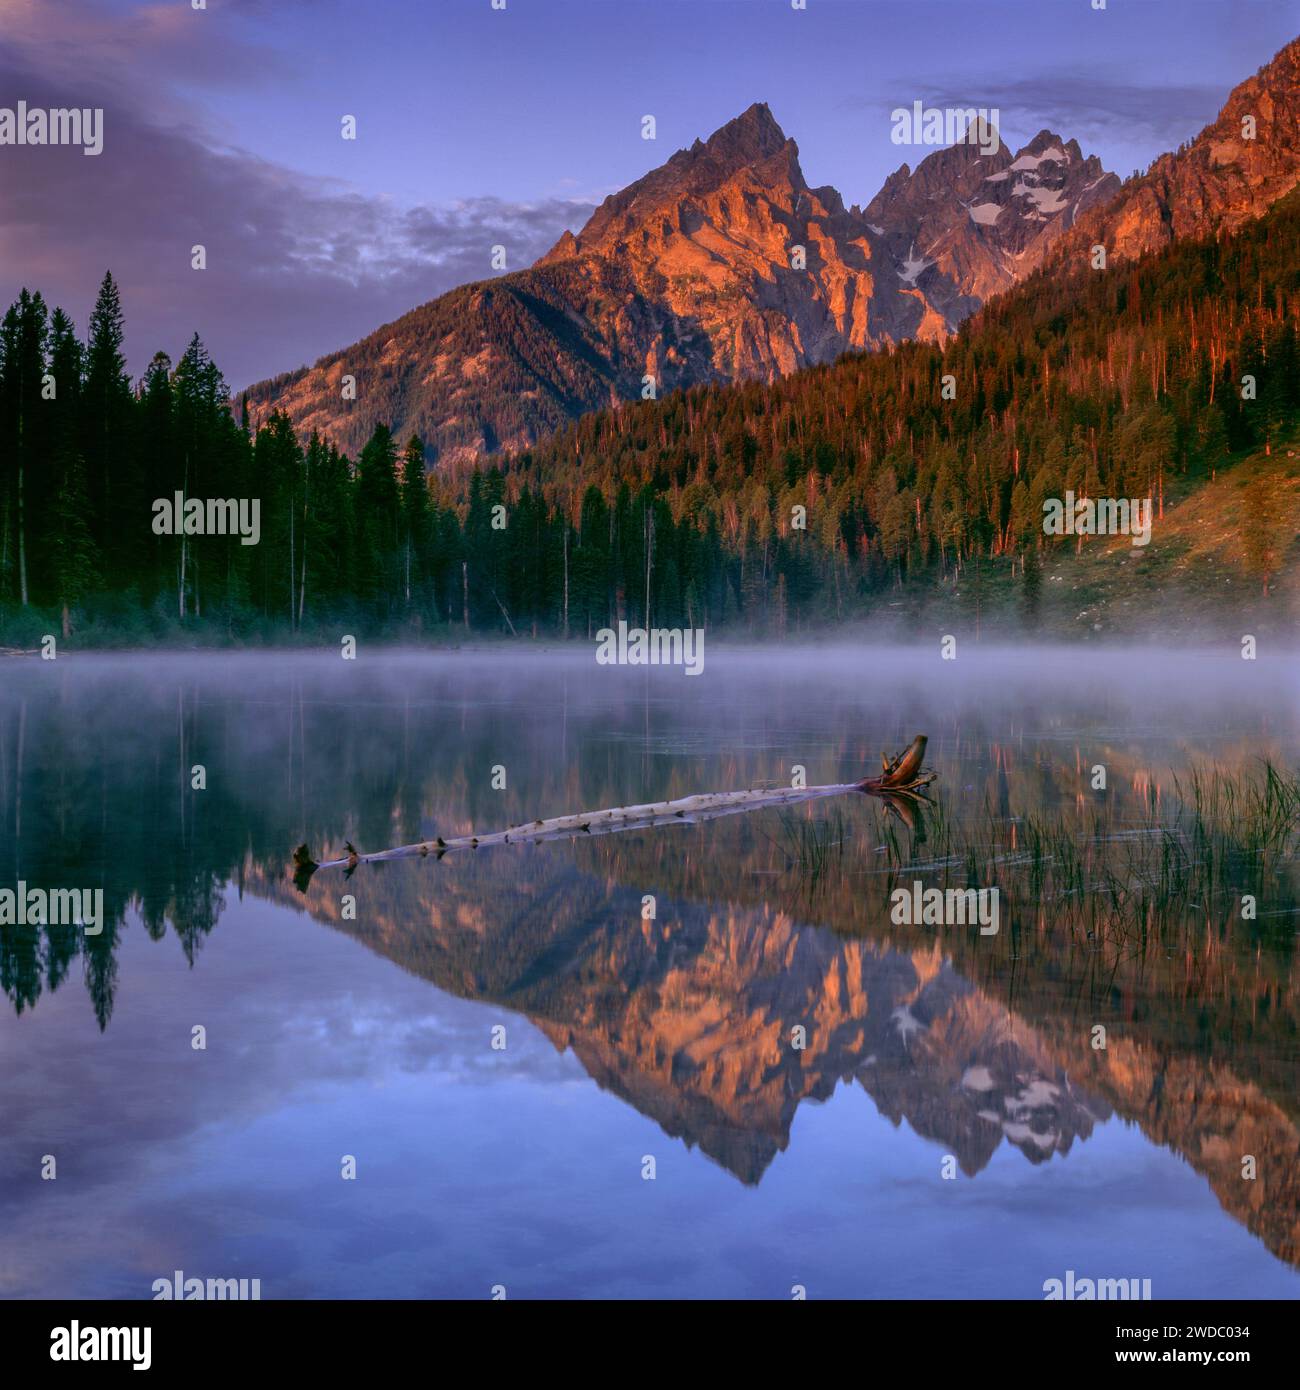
899	786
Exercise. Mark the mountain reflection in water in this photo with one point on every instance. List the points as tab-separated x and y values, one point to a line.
692	1017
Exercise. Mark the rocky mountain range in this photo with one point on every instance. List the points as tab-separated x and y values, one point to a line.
723	264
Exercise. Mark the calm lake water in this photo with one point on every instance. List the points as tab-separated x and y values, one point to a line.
927	1049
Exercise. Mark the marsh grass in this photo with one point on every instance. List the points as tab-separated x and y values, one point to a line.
814	846
1215	860
1211	856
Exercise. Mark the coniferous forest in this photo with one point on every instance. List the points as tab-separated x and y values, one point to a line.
756	508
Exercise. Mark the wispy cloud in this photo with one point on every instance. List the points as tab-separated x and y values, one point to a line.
296	265
1091	107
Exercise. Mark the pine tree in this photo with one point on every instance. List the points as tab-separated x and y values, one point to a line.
73	568
23	336
201	410
73	554
120	520
379	521
415	524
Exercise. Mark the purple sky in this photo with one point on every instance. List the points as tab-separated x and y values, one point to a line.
478	126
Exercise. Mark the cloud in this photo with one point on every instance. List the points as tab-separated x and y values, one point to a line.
156	47
1161	117
296	265
1089	107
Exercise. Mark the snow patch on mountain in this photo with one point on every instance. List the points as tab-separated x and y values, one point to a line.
1046	200
1051	155
913	266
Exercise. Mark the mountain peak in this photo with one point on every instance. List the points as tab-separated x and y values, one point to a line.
752	140
749	138
975	222
1046	140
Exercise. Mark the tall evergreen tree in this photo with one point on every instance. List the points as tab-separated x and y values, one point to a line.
25	420
120	518
415	524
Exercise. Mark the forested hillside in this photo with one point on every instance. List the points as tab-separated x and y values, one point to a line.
1145	380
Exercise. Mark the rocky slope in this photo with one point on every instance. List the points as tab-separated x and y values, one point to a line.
709	239
721	265
966	225
1223	179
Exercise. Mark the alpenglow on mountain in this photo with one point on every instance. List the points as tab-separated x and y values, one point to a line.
693	274
1233	172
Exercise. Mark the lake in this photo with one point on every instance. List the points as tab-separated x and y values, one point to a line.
695	1061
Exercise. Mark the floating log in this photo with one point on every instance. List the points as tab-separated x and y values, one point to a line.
899	786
